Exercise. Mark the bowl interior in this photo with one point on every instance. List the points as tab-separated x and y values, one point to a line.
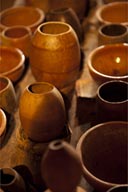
20	16
10	59
111	60
115	12
104	152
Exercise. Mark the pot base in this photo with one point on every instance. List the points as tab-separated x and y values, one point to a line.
38	148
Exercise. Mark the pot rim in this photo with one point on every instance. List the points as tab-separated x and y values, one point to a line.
78	148
21	63
36	9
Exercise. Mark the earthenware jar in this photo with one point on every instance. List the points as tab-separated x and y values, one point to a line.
55	54
11	180
61	168
80	8
8	100
17	36
42	112
66	15
112	101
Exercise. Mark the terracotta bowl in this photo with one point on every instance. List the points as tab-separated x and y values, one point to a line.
3	123
115	12
109	62
12	63
103	152
27	16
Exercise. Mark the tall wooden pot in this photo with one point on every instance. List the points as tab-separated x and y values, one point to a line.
55	54
42	112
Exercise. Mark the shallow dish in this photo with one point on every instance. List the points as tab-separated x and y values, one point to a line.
12	63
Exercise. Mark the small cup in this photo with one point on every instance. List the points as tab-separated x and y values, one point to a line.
119	188
17	36
112	33
112	101
8	100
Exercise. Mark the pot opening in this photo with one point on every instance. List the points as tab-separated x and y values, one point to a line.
114	92
6	178
16	32
54	28
40	88
114	30
57	144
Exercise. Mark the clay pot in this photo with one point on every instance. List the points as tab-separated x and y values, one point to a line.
61	167
66	15
112	101
42	112
3	124
8	100
112	33
55	54
108	62
17	36
48	5
119	188
11	180
106	13
22	15
12	63
103	151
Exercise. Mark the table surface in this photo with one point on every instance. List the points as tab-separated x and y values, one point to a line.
82	112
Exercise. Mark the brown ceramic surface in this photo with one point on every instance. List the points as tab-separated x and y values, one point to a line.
8	100
109	62
12	62
17	36
115	12
3	123
101	149
27	16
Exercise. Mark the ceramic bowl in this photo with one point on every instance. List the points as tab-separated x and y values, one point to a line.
12	63
109	62
103	152
115	12
119	188
3	123
17	36
23	15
